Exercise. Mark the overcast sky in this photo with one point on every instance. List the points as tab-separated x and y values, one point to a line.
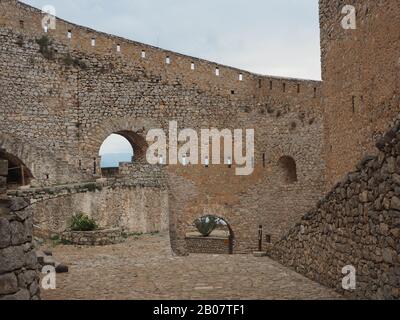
271	37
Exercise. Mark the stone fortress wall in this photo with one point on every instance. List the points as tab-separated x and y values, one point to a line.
360	72
19	279
59	100
66	97
357	224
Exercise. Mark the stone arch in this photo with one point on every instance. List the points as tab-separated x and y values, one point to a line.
17	151
44	168
18	173
223	212
133	129
287	170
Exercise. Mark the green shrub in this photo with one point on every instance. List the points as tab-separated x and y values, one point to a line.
206	225
82	222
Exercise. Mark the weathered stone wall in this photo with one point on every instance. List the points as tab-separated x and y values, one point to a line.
357	224
208	245
119	204
76	95
93	238
360	72
19	279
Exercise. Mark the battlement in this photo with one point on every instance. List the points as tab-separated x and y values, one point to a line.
170	66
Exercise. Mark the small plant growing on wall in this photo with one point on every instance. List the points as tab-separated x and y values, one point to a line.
206	225
45	47
82	222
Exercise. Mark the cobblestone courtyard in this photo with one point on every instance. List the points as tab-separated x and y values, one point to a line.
144	268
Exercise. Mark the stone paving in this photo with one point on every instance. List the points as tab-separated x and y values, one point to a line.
145	268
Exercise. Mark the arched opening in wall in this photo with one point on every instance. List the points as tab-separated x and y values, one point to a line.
122	147
287	170
210	234
18	174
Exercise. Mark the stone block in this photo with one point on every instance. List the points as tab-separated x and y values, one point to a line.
11	258
8	284
26	278
395	204
259	254
20	295
5	232
18	233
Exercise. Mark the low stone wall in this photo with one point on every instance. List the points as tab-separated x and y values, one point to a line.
357	224
19	279
93	238
209	245
126	204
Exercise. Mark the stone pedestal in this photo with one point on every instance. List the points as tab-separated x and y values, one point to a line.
259	254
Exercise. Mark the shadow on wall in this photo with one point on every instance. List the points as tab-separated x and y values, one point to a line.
18	174
287	170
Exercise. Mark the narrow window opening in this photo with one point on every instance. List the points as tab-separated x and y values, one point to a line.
192	66
284	87
93	42
315	92
229	162
69	34
118	48
232	91
206	162
240	77
270	85
143	54
259	83
94	166
217	72
21	23
168	60
298	88
264	160
353	103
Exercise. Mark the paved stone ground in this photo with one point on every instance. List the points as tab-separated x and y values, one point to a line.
144	268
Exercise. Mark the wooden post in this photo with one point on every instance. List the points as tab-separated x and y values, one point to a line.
260	234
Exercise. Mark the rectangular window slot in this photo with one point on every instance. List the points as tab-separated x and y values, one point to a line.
217	72
21	23
284	87
69	34
259	83
353	102
298	88
143	54
118	48
192	66
315	92
168	60
232	91
93	42
264	160
270	85
240	77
